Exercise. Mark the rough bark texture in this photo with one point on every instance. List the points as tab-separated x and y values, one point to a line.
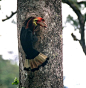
50	43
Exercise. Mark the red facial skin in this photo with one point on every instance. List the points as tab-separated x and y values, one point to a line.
40	19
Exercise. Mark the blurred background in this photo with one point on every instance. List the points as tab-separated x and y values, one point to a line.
9	63
74	59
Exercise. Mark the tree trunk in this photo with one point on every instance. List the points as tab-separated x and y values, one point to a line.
50	43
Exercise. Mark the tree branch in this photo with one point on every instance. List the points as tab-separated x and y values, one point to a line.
83	46
81	19
85	16
74	37
74	6
8	17
81	43
82	2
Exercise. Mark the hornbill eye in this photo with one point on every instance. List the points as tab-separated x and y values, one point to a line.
43	20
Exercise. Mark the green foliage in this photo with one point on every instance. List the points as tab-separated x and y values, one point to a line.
7	73
73	22
74	0
16	81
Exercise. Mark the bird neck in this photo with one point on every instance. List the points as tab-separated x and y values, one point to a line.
30	25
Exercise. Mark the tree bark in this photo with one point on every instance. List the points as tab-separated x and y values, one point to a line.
50	43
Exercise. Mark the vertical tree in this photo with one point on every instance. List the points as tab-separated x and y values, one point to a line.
50	43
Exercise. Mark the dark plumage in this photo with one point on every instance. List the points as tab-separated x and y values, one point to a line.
26	38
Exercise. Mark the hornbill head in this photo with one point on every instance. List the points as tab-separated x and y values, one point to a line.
39	21
33	22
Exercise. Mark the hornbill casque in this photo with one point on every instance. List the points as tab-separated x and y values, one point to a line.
34	59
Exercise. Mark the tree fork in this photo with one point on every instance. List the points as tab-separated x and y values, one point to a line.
81	18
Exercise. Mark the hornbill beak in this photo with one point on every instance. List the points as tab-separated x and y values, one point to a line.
42	24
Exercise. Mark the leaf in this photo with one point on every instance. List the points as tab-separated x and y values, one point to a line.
73	22
16	81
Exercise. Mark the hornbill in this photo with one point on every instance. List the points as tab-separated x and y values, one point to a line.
34	59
